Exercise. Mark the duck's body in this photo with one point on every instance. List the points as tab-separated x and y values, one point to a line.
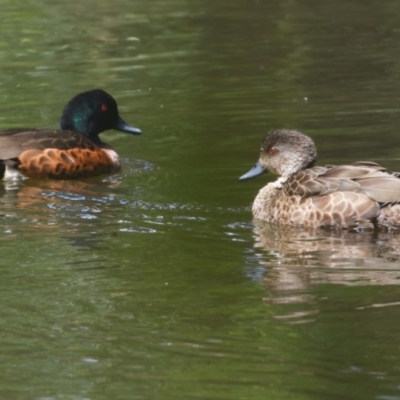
361	195
74	151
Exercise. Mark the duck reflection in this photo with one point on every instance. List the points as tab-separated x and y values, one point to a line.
27	194
294	259
53	205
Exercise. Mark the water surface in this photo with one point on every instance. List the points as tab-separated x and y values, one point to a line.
154	283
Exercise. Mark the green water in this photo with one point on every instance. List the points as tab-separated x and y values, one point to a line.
154	283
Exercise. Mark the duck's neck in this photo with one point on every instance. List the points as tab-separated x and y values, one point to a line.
98	142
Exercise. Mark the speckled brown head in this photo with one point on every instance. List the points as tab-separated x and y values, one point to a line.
284	152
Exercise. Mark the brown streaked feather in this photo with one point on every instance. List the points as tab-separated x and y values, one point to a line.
13	141
308	183
64	164
381	189
53	154
342	185
338	209
370	164
351	209
351	171
319	170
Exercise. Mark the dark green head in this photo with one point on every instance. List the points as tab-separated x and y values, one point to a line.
93	112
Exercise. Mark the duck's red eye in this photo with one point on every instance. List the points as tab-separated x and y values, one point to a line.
104	107
272	150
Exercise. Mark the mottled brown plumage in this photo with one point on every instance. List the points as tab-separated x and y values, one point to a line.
360	195
54	154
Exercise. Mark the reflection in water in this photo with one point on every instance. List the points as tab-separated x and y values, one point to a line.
79	209
63	206
296	259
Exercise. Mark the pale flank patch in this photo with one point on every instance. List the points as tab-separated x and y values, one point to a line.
113	156
12	174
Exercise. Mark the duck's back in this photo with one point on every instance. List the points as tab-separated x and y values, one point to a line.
38	153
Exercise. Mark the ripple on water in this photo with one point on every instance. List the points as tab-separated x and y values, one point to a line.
138	229
289	262
131	167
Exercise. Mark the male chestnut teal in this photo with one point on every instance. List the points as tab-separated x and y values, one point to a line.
361	195
73	151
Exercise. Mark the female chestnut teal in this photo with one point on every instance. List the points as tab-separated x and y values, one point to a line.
360	195
73	151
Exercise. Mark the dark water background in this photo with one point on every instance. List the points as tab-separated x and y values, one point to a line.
154	283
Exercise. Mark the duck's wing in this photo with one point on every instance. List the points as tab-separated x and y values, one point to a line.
360	177
383	189
13	142
320	181
353	195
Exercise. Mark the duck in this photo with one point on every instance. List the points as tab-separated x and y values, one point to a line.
73	151
359	196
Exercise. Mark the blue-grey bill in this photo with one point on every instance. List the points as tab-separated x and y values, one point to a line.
255	171
121	125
